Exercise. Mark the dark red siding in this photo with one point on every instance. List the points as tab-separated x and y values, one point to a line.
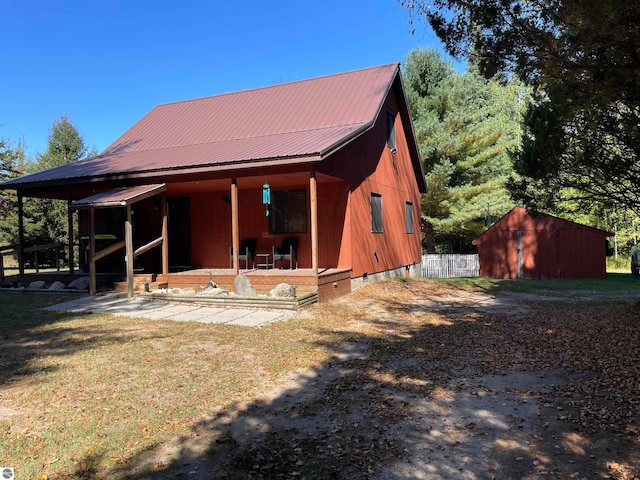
520	245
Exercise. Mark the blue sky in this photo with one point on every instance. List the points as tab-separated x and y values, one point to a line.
105	64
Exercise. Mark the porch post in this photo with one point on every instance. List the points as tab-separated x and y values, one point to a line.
70	227
92	251
20	234
128	239
313	190
165	235
235	235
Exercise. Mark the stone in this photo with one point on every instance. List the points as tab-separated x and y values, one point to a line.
212	292
80	283
284	290
38	285
243	287
57	286
186	292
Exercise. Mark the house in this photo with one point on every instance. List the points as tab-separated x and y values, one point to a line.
535	245
330	162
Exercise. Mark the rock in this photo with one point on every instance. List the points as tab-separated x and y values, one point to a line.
38	285
284	290
212	292
57	286
243	287
81	283
187	292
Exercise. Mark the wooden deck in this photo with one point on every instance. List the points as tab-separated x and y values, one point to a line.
328	283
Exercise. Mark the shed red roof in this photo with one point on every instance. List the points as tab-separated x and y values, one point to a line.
298	122
519	219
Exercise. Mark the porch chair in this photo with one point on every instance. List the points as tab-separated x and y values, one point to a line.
245	253
288	251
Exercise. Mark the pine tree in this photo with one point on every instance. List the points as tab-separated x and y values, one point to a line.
465	126
45	220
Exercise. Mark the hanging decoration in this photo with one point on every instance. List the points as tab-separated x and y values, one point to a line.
266	197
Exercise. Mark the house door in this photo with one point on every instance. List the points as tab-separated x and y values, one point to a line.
179	229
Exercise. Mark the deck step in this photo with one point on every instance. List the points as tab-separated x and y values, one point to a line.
139	281
244	302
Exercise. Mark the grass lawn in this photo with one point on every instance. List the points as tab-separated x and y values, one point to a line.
615	282
85	396
82	394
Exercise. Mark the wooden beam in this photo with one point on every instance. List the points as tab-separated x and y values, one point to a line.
110	249
148	246
70	235
46	246
165	235
20	234
128	238
313	190
92	249
235	235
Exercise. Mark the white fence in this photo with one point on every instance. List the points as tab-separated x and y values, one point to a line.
449	266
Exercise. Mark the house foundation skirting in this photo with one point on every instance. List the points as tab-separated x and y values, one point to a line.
413	270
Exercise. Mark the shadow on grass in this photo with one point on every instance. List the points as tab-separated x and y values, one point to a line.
476	396
28	333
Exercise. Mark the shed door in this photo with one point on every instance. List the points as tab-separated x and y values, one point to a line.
520	266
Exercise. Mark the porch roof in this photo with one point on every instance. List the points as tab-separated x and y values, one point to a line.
293	123
119	197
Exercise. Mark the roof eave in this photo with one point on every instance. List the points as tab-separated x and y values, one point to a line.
168	172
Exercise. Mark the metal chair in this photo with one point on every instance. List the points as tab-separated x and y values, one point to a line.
245	253
288	251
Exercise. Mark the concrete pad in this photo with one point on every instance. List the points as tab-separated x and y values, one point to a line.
197	315
119	305
257	318
169	311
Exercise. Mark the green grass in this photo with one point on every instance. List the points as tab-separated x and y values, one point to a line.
612	283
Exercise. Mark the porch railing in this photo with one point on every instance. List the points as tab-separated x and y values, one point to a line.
55	246
450	265
5	251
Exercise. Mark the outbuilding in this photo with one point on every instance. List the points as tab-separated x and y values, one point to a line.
526	244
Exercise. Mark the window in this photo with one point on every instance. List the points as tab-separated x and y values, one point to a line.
288	212
408	216
376	213
391	130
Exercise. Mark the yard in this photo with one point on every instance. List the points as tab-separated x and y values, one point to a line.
467	379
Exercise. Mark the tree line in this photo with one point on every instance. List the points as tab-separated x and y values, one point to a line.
580	129
45	220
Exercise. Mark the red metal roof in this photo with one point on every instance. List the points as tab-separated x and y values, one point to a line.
120	197
300	121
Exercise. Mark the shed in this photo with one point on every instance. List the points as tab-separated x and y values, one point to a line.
526	244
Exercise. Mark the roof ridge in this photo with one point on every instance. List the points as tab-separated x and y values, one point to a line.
277	85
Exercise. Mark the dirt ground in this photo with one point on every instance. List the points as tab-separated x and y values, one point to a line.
457	385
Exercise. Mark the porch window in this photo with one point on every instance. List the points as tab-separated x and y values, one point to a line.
288	212
376	213
408	216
